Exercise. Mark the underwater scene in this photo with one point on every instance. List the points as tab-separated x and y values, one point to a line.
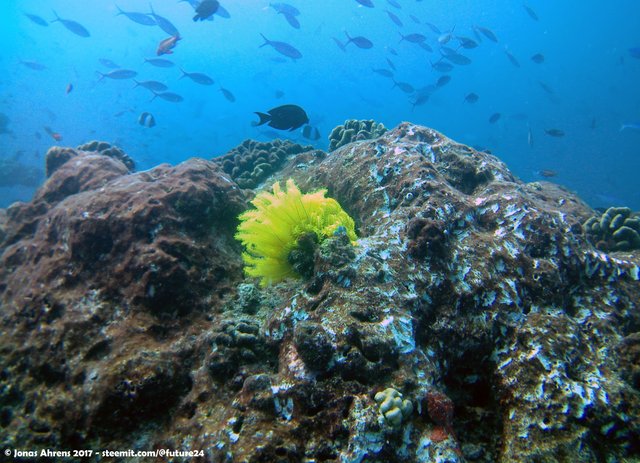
355	231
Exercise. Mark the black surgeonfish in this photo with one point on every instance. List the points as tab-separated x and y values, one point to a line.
285	117
206	9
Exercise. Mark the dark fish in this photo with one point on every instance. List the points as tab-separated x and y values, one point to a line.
119	74
392	51
292	20
55	135
413	38
394	18
164	24
405	87
443	80
282	47
538	58
206	9
72	26
359	41
391	65
494	118
228	95
532	14
147	120
279	94
69	88
554	132
286	117
547	173
367	3
285	8
488	33
467	43
442	66
394	4
108	63
197	77
36	19
124	111
546	87
383	72
166	46
159	62
457	58
435	29
635	52
33	65
140	18
471	98
310	133
152	85
512	59
425	46
168	96
420	99
414	19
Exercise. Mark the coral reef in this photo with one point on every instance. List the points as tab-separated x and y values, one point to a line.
617	229
127	322
252	162
354	130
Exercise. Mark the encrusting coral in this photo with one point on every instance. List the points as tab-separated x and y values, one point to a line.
284	224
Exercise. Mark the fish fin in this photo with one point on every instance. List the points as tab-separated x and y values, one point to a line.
264	118
56	15
119	10
266	40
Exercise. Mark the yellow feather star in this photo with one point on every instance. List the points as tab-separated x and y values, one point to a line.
271	231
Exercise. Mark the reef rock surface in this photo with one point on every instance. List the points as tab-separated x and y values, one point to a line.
473	321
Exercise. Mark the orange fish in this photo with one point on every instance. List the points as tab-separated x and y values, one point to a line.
56	136
165	46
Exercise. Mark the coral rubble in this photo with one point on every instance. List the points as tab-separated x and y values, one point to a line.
474	320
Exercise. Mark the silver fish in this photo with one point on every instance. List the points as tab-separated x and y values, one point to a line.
72	26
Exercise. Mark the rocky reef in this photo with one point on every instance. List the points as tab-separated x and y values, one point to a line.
354	130
473	320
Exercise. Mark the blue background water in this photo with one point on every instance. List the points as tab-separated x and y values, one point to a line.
585	44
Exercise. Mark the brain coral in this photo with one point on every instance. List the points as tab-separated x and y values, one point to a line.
284	222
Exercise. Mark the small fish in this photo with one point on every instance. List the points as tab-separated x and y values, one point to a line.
118	74
443	80
467	43
435	29
488	33
471	98
457	58
37	19
383	72
425	46
442	66
547	173
512	59
420	100
152	85
164	24
630	126
405	87
546	87
415	19
108	63
197	77
310	133
283	48
33	65
279	94
394	4
392	51
538	58
292	20
206	9
140	18
72	26
166	46
391	65
286	117
168	96
413	38
532	14
495	117
69	88
159	62
55	135
228	95
554	132
394	18
147	120
367	3
285	8
529	136
445	38
359	41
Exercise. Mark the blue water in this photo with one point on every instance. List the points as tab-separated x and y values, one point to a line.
587	64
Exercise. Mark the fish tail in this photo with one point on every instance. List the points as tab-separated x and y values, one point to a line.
102	76
184	73
264	118
56	15
119	11
137	83
266	40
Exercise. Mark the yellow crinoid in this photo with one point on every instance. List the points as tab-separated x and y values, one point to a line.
278	224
